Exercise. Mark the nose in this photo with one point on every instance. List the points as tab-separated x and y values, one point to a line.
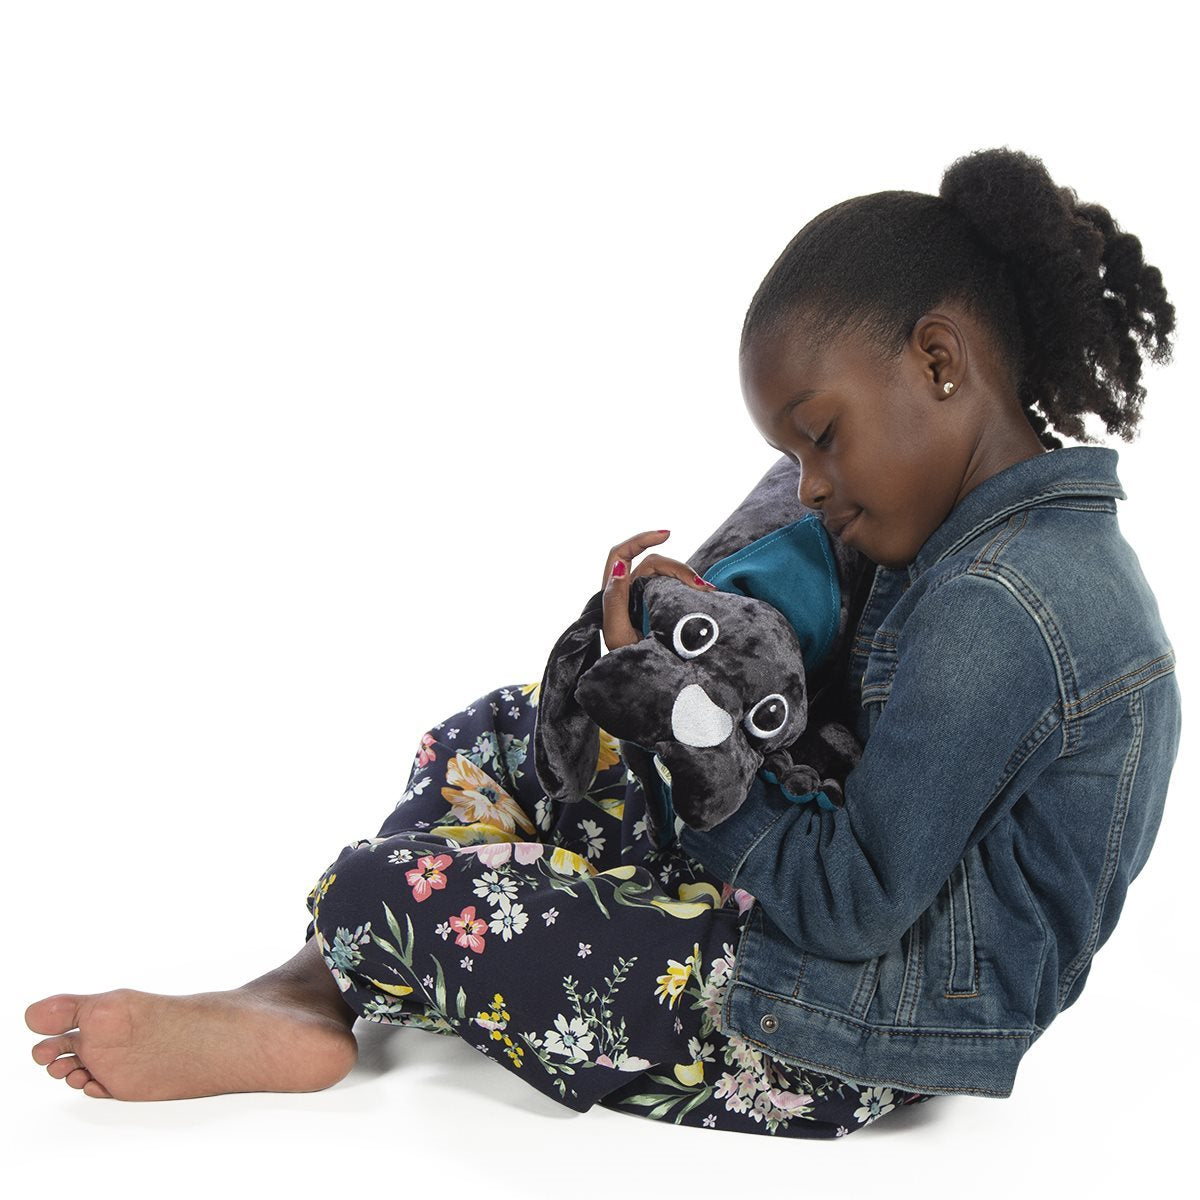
812	490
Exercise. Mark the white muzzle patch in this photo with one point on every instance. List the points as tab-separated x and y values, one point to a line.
697	721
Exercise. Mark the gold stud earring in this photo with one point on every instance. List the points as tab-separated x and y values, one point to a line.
949	387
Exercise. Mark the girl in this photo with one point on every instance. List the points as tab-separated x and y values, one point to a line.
794	970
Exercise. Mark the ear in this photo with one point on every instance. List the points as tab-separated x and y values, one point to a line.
566	741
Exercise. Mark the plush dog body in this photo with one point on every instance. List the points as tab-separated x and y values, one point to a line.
717	689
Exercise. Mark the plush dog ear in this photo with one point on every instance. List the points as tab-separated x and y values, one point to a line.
566	741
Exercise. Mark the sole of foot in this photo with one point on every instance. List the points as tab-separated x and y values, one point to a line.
133	1045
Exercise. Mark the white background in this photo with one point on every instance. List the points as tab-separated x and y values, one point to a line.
339	343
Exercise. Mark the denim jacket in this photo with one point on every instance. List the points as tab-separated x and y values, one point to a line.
1015	694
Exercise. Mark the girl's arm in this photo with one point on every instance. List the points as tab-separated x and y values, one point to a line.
972	717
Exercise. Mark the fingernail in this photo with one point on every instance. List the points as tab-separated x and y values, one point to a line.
703	582
662	531
618	568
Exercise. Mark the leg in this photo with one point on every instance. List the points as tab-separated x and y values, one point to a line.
286	1031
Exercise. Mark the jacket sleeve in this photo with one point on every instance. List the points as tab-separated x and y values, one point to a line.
974	694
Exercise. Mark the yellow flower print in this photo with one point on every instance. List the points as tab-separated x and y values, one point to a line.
514	1052
610	752
567	862
320	888
476	796
675	980
533	691
693	891
624	871
475	835
690	902
394	989
690	1074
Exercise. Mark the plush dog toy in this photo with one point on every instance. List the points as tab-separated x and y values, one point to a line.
717	689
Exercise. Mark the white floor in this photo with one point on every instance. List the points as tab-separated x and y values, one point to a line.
429	1114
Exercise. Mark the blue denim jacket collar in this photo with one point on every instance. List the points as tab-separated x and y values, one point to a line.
1067	471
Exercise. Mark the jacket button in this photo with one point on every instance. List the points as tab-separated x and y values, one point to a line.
769	1023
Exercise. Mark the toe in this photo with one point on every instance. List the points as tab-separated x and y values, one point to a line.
79	1077
60	1068
54	1014
46	1052
94	1087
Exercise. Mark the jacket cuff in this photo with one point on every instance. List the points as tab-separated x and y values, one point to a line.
724	848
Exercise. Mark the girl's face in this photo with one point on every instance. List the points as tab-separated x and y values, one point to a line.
879	443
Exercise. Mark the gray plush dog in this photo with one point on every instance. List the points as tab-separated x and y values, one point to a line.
717	689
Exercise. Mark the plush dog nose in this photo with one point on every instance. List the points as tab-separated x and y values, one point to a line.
697	721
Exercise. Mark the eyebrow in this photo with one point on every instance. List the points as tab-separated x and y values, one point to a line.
799	398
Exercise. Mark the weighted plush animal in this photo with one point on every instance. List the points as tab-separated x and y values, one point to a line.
717	688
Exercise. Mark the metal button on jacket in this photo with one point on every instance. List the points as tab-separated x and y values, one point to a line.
769	1023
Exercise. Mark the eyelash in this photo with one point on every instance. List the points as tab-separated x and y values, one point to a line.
825	439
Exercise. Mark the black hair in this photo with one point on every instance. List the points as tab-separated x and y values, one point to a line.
1063	292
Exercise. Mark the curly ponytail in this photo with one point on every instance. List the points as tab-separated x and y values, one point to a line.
1065	294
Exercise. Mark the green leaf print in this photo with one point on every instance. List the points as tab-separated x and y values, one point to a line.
462	1001
440	989
405	953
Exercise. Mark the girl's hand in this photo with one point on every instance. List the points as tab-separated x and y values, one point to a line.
618	629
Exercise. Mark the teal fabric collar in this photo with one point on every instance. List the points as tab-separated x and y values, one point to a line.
793	570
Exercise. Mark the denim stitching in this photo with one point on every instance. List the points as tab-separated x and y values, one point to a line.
969	938
1116	830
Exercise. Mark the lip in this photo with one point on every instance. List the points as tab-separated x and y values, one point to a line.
839	531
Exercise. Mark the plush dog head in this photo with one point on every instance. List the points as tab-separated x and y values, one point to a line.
717	682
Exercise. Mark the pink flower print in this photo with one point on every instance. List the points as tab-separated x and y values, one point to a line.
425	753
469	928
427	875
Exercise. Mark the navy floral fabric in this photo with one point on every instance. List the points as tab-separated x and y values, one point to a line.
557	941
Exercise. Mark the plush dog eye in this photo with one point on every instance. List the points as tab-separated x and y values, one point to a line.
694	634
768	716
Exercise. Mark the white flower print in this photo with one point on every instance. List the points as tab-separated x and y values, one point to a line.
584	949
492	888
509	918
593	839
466	964
443	930
505	694
842	1131
549	915
416	789
428	981
572	1039
494	707
541	813
470	712
875	1102
452	733
402	855
710	1120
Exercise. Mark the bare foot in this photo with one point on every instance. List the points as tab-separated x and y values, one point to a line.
273	1035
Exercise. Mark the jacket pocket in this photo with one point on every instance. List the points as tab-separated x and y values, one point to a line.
962	975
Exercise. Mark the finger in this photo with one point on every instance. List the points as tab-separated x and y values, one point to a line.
630	548
659	564
616	626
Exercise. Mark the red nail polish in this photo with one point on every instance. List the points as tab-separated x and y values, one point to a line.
662	531
618	568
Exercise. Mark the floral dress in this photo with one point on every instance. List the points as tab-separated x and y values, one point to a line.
558	941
